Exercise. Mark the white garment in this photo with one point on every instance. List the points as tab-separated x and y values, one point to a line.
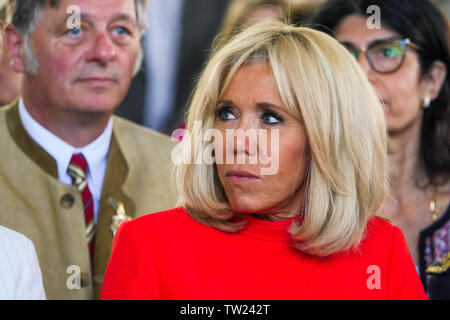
20	274
162	43
95	153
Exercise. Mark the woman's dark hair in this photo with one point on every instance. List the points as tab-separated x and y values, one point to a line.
424	24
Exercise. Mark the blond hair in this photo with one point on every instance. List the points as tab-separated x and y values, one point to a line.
322	85
6	7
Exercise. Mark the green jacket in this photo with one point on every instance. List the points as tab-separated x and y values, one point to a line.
50	213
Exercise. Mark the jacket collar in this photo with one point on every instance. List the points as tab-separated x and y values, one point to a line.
31	149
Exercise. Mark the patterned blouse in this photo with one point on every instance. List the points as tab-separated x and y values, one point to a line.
434	243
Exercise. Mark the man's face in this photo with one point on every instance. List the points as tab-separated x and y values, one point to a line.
86	68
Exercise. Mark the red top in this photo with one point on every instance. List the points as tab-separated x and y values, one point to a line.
168	255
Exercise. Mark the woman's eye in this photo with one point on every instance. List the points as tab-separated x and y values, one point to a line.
388	53
270	117
391	52
225	113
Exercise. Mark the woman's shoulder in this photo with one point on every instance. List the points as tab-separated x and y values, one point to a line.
160	224
166	229
380	240
13	239
166	218
380	224
381	233
380	229
18	250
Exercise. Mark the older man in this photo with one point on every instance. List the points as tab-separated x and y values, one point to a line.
70	171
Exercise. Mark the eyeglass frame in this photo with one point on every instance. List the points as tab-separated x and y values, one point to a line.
405	42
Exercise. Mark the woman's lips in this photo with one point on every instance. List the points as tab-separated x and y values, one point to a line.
241	176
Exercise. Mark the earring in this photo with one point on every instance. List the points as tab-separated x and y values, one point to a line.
426	102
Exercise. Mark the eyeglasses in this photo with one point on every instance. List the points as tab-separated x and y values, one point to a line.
385	55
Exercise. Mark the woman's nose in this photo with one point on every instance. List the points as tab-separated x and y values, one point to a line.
246	137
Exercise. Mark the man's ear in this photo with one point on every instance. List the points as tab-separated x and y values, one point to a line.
434	79
13	45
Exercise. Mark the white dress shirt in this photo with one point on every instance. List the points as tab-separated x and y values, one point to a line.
20	274
95	153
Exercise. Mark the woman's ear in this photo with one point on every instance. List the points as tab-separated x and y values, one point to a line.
13	45
434	80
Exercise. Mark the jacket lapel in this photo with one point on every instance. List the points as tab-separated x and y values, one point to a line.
27	144
115	175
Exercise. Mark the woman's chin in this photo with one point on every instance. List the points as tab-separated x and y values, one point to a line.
247	207
244	207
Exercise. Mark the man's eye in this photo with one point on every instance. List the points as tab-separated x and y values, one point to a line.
121	31
74	32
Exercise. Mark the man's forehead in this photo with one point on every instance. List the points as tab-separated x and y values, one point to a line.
95	9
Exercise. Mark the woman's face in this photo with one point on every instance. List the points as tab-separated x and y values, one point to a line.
253	104
402	91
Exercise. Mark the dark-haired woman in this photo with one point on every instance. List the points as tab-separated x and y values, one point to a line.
406	58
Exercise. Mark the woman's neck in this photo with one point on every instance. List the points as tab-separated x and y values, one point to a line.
404	160
268	217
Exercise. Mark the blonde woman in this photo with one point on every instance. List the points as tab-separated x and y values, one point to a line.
281	170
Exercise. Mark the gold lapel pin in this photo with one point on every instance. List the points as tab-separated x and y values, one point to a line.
120	216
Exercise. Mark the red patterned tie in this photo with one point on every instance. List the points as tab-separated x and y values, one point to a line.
77	170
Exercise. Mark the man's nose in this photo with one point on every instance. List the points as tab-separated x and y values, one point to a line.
103	49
